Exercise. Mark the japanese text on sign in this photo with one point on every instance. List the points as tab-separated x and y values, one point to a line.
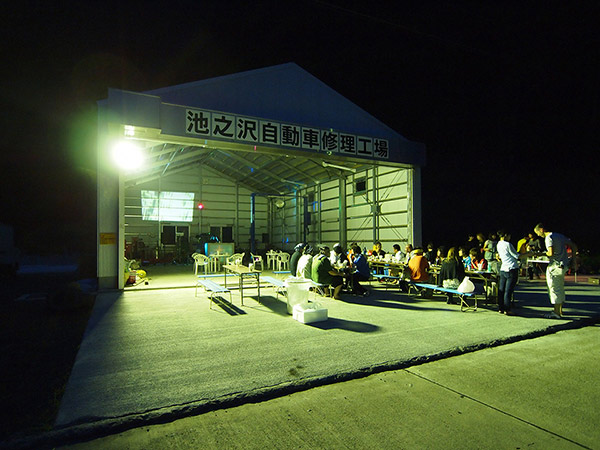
251	130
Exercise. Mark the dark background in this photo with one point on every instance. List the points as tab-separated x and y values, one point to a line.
503	94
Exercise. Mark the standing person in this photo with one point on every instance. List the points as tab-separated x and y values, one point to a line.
556	250
509	272
480	242
489	248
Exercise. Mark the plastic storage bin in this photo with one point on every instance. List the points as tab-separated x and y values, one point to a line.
297	292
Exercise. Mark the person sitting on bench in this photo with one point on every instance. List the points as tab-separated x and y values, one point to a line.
452	273
418	266
361	273
323	273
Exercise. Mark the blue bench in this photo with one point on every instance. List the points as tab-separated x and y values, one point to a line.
213	288
464	305
383	278
276	283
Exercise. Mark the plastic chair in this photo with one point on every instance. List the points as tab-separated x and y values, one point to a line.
283	261
200	260
257	259
231	259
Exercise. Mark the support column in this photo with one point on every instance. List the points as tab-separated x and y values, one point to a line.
414	205
375	206
318	195
343	205
252	223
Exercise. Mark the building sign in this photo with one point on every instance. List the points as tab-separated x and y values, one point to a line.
251	130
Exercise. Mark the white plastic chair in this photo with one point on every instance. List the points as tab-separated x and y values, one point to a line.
272	259
283	261
257	259
200	260
232	259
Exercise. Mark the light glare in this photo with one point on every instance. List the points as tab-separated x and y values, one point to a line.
127	156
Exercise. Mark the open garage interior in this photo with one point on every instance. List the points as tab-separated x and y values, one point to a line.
195	193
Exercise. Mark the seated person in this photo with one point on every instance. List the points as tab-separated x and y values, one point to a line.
378	253
477	262
377	250
464	256
298	250
338	257
323	273
417	266
430	254
304	269
397	257
408	251
440	255
350	254
452	273
362	273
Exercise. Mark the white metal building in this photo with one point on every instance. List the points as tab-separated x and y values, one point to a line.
274	156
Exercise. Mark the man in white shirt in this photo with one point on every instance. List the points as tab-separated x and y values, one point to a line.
556	250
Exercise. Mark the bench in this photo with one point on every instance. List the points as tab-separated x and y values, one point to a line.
384	278
462	295
276	283
213	288
318	288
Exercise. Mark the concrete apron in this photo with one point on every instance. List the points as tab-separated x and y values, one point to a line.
158	355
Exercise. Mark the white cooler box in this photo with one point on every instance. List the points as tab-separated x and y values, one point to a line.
305	315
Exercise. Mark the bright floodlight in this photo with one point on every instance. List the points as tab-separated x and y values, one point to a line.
127	156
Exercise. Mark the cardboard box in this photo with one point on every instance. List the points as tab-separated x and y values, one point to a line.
309	315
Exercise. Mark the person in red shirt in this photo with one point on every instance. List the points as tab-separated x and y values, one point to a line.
418	266
477	261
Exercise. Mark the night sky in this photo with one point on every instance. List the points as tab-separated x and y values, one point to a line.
505	97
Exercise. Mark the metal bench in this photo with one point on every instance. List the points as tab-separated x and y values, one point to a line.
462	295
213	288
277	284
318	288
383	278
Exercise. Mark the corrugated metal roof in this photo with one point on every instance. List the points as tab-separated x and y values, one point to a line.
285	93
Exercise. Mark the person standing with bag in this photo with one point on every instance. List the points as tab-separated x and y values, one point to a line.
509	272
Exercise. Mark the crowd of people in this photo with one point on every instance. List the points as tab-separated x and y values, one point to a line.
339	269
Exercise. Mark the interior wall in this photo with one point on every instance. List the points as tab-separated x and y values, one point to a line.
284	230
225	205
392	224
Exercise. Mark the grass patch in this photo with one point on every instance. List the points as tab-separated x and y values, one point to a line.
39	339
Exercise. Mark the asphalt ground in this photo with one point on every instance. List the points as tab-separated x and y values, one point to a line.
159	355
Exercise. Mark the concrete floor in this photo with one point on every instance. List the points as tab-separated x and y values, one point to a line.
535	394
157	355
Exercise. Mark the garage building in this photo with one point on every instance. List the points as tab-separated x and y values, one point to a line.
262	159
